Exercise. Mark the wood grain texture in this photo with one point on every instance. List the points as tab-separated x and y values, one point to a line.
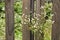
56	19
26	20
39	14
9	15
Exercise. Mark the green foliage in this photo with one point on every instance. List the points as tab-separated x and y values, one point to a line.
2	21
18	24
18	17
48	24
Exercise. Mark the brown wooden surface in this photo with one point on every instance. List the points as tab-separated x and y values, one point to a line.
38	13
26	20
56	19
39	20
9	13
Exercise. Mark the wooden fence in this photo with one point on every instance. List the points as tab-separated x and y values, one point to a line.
28	13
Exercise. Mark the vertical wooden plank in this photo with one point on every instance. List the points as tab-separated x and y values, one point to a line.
9	14
38	13
56	19
26	20
39	35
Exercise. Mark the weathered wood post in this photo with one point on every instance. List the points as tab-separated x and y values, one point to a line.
26	20
9	15
56	19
